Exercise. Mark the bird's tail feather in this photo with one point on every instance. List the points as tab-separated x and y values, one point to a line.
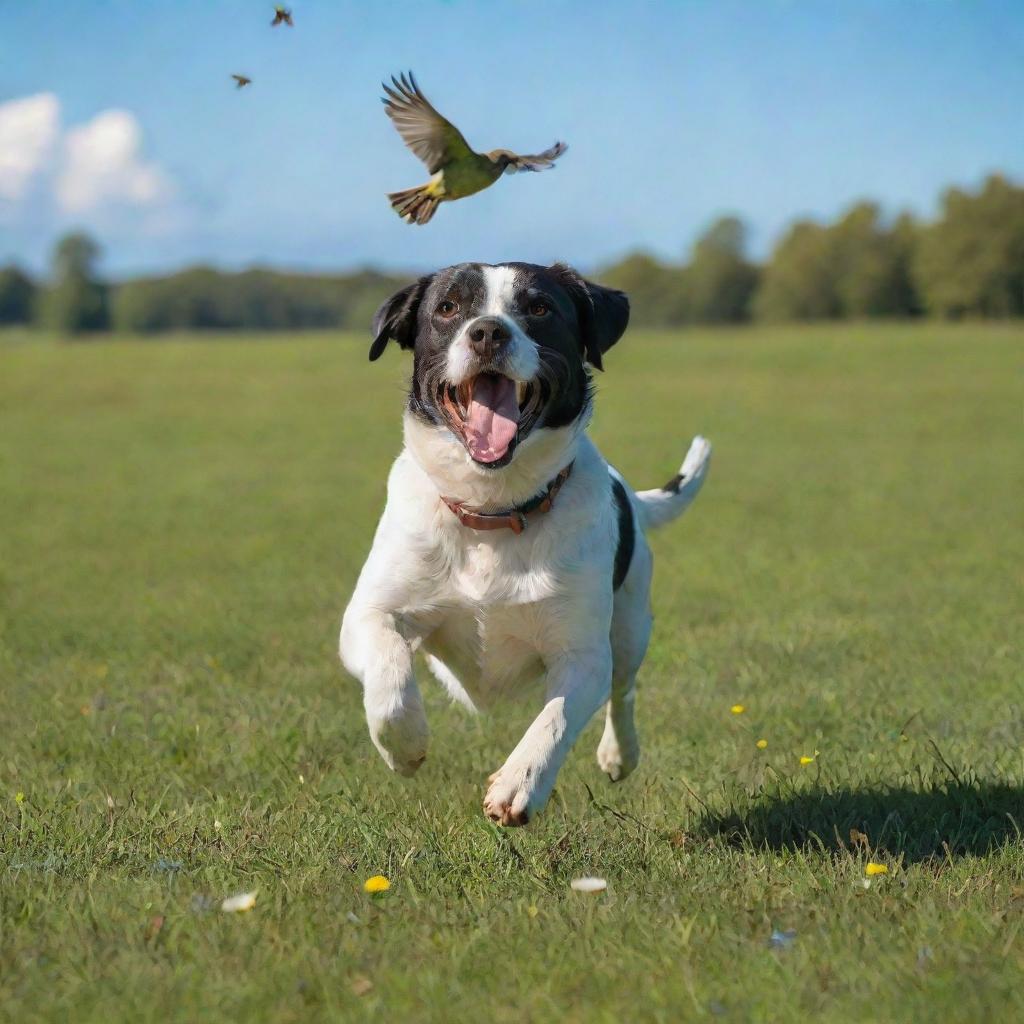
414	205
663	504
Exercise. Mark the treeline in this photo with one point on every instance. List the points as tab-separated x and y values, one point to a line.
77	301
202	298
969	262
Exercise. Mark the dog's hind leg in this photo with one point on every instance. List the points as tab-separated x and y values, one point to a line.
618	753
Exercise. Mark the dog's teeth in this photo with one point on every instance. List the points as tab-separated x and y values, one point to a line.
521	386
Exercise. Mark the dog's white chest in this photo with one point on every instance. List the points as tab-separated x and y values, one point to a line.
488	633
499	573
497	604
490	651
479	573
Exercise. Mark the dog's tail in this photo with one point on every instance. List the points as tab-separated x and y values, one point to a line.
663	504
415	205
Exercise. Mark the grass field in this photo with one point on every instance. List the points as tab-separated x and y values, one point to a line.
180	525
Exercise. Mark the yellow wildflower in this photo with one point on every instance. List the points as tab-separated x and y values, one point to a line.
737	709
806	760
871	869
376	884
19	797
761	744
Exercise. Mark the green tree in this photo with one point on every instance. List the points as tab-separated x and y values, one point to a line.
871	263
799	281
657	293
971	261
906	234
76	300
720	281
17	296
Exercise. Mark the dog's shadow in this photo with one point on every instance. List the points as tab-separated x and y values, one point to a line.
918	825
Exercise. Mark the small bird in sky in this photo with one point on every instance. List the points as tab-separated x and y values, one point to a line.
282	15
241	81
457	171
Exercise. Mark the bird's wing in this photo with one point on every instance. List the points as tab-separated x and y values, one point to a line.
433	138
536	161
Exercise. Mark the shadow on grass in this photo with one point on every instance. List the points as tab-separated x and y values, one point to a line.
956	820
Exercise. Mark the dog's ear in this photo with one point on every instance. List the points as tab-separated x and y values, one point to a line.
396	318
603	313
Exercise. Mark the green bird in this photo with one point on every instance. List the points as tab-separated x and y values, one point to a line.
457	170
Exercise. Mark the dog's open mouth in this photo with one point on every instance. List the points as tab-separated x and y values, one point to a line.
491	413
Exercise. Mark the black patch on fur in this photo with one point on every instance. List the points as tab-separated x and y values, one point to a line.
558	340
672	487
601	313
396	318
627	533
462	284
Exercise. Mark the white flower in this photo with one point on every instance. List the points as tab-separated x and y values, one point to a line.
588	884
243	901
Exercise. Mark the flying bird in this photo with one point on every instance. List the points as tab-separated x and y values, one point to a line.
457	171
241	81
282	14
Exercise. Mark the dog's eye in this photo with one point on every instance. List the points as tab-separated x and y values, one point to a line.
448	309
538	308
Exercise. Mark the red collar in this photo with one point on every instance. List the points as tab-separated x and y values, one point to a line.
513	519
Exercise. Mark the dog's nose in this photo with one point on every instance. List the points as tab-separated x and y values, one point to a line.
488	336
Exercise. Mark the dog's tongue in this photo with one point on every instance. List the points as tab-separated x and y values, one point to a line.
493	417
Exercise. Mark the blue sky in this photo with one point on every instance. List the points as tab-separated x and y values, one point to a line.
675	112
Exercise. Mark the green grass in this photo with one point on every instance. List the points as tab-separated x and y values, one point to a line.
180	525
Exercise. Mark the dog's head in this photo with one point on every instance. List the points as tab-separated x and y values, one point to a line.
501	351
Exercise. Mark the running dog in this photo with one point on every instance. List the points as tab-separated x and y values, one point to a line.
509	552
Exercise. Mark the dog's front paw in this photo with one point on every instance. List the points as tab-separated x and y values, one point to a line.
401	737
513	796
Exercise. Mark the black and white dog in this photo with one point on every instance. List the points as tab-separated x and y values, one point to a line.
509	552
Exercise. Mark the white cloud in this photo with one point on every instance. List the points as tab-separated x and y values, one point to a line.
93	173
102	165
29	129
